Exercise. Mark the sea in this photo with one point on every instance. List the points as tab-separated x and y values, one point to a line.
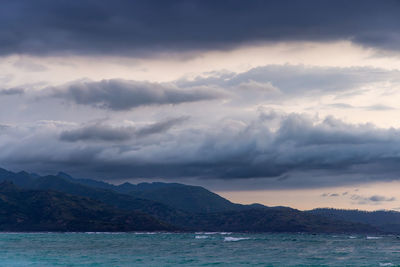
197	249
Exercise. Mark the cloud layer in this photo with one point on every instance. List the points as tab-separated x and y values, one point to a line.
271	84
254	125
101	132
145	27
338	152
125	95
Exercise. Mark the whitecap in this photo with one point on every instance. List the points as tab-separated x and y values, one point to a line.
352	237
233	239
201	236
213	233
386	264
147	233
374	237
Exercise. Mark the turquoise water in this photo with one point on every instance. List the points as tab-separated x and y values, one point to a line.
196	249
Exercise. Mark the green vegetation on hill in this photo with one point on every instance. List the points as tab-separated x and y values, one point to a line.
188	198
179	196
33	210
276	220
388	221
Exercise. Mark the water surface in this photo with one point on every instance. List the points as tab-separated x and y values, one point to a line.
196	249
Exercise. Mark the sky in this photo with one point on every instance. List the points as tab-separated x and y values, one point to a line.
291	103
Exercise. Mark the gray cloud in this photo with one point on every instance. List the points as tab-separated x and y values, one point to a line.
360	199
258	86
145	27
159	127
329	195
124	95
3	127
270	84
12	91
285	81
305	151
102	132
375	199
98	132
341	106
377	107
224	140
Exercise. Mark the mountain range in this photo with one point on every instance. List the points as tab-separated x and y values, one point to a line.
31	202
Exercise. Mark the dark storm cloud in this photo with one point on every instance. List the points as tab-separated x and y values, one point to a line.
307	152
124	95
101	132
293	150
149	26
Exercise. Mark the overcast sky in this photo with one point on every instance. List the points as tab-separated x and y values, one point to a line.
280	102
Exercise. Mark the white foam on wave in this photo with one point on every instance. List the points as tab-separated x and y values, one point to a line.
201	236
120	233
386	264
213	233
374	237
101	233
147	233
234	239
352	237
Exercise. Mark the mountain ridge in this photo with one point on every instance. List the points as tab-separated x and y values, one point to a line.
184	207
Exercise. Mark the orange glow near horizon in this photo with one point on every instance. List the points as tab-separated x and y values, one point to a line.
353	197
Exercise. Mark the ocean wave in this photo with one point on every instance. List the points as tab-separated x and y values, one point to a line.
147	233
201	236
386	264
213	233
374	237
234	239
120	233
